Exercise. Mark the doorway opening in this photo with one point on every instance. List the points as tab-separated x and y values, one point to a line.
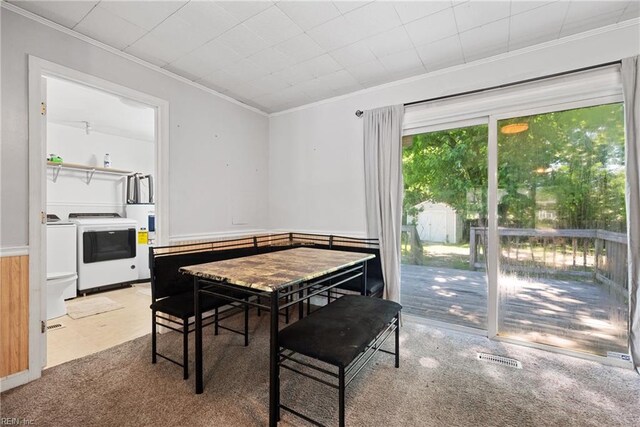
71	176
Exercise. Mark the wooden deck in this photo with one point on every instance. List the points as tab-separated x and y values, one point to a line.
570	314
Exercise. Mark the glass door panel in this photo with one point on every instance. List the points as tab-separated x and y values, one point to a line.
443	268
562	277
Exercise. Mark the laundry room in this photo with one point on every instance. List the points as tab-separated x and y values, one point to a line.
101	161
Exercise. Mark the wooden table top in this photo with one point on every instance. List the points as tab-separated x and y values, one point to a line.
276	270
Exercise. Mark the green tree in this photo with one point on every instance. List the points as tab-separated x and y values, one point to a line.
570	163
448	167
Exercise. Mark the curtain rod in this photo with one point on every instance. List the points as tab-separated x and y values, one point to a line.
359	113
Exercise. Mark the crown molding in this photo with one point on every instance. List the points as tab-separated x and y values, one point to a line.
13	8
500	57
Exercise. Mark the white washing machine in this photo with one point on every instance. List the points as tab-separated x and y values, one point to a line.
61	266
106	250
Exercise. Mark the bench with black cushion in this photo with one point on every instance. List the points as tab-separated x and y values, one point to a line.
374	285
375	282
345	334
172	294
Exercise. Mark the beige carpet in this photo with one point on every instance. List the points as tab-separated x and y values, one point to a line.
439	383
89	306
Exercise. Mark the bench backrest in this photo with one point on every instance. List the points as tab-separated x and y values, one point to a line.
348	244
165	261
166	279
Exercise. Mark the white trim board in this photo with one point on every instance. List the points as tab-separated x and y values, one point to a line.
356	234
16	9
14	380
231	234
14	251
202	237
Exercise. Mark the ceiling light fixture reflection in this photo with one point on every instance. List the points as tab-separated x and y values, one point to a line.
514	128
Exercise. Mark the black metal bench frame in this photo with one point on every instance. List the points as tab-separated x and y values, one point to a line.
287	361
185	328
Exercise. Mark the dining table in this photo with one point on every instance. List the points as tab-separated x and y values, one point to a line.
273	282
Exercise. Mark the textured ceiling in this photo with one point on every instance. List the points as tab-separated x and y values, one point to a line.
279	55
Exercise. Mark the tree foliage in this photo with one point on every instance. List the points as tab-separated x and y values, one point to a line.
567	164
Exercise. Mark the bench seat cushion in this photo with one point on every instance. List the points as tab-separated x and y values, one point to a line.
374	285
338	332
182	305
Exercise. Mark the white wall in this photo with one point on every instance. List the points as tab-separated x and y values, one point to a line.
217	148
105	193
316	157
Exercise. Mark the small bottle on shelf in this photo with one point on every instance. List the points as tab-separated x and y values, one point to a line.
107	161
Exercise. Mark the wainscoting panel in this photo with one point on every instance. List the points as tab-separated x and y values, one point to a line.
14	314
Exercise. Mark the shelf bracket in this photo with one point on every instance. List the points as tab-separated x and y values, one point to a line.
90	175
56	172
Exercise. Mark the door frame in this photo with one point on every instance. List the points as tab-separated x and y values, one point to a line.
39	68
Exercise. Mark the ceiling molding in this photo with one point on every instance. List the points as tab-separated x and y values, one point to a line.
13	8
502	56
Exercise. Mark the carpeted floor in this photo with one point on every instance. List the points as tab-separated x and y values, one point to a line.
439	383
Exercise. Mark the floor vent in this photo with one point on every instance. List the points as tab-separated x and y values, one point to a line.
500	360
55	326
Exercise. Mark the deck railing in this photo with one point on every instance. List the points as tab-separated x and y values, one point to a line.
598	253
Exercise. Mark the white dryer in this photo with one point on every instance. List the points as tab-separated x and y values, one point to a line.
61	266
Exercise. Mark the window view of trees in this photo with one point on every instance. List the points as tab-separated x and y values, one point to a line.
450	167
566	170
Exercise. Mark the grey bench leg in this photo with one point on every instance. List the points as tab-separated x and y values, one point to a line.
153	337
341	387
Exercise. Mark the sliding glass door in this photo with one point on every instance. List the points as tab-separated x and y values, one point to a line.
445	212
562	277
516	225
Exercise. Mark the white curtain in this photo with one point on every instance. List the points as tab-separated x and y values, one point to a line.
383	189
631	90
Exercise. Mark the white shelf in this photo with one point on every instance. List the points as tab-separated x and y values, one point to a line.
90	170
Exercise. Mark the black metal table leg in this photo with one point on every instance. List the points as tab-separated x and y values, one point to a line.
198	326
398	340
274	371
185	349
363	283
215	322
246	323
301	303
153	337
341	387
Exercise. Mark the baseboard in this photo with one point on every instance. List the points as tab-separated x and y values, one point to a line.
14	380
